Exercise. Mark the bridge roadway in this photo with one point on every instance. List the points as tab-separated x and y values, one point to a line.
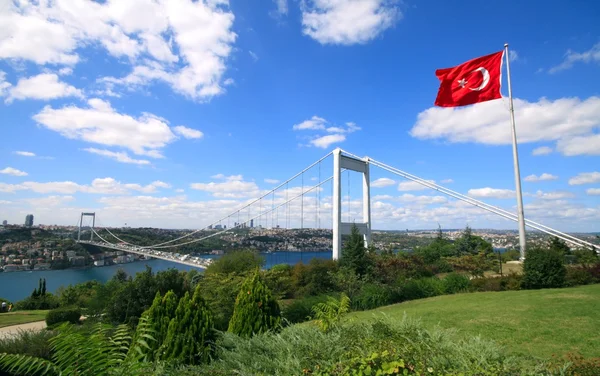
194	261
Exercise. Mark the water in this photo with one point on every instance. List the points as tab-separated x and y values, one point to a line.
15	286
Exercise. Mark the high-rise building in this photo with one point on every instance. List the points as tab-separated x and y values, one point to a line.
251	223
29	220
4	222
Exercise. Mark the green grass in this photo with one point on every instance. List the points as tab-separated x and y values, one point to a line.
21	317
539	323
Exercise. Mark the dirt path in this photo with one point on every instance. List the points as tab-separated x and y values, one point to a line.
9	331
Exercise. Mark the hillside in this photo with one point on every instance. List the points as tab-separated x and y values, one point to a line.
530	322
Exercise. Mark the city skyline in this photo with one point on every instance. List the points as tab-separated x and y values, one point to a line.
179	115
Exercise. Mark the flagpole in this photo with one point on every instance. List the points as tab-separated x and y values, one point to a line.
522	240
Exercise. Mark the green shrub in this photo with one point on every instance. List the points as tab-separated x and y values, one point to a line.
422	288
543	268
455	283
64	314
577	276
240	262
279	281
159	317
314	278
372	295
299	310
487	284
256	311
28	342
219	291
47	301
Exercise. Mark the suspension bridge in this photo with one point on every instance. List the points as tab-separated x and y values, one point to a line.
293	207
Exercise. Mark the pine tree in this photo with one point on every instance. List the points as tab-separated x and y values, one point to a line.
256	310
43	290
160	315
354	253
190	335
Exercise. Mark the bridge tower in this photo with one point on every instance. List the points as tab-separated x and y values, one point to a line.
93	215
342	228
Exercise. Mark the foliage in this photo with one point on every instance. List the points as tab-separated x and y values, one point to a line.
511	255
235	262
373	295
422	288
586	257
543	268
279	280
81	294
48	301
505	283
577	365
256	310
354	253
455	283
384	363
347	281
577	276
328	315
4	300
159	316
40	291
559	246
440	247
63	314
469	244
28	342
475	265
314	278
219	292
393	269
190	335
75	353
299	310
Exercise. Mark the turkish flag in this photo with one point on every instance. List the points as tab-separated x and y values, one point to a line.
475	81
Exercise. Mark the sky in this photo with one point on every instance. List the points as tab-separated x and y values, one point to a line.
177	113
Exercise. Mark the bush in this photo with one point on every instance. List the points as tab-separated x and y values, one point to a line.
219	291
48	301
299	310
65	314
28	342
240	262
577	276
455	283
422	288
315	278
372	295
256	311
543	268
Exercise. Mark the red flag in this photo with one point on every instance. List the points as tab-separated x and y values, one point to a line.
475	81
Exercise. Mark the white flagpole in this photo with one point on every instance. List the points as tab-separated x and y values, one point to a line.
522	240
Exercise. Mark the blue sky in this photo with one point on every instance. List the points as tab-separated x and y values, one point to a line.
174	114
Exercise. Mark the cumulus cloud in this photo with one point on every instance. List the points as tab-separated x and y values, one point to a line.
314	123
491	193
570	121
100	124
447	181
184	43
542	177
271	181
558	195
334	134
348	22
593	191
233	187
413	186
44	86
542	150
13	172
324	142
97	186
25	153
585	178
120	156
188	132
282	7
382	182
571	57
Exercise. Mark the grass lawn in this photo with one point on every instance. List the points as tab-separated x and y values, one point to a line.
539	323
21	317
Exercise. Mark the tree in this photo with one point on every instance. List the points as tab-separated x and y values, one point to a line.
469	244
256	311
354	253
543	268
159	316
236	262
559	245
43	288
190	336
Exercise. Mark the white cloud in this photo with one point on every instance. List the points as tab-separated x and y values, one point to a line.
513	55
347	22
282	7
13	172
101	124
271	181
487	123
593	191
590	56
382	182
253	55
233	187
98	186
413	186
49	202
179	190
120	156
324	142
184	43
408	198
585	178
44	86
447	181
229	82
542	150
491	193
580	145
314	123
188	132
25	153
542	177
4	85
553	195
66	71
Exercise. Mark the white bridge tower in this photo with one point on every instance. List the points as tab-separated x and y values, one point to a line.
93	215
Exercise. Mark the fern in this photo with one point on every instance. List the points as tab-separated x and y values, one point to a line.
105	351
330	313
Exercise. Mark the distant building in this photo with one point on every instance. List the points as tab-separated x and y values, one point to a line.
78	261
29	220
99	262
4	222
251	223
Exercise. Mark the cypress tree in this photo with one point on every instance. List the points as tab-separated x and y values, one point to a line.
190	335
160	315
43	291
256	310
354	253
